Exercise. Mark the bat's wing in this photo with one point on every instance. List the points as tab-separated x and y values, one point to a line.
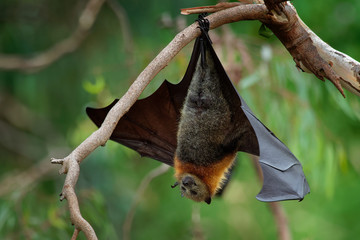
150	126
284	178
283	174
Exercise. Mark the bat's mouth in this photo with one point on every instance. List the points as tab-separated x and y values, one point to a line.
193	188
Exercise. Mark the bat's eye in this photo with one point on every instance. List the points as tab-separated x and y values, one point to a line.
193	192
188	181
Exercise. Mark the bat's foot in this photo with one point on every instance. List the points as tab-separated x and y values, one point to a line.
204	25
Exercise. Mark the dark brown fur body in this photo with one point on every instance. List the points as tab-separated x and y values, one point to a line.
205	119
204	129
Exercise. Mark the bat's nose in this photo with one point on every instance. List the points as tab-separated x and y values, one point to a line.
188	181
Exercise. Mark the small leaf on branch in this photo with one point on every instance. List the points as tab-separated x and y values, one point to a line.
265	32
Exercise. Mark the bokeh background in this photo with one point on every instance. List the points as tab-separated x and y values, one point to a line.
42	115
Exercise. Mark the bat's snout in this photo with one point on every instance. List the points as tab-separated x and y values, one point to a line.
188	181
194	188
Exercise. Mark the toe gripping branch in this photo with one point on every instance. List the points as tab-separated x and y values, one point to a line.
204	25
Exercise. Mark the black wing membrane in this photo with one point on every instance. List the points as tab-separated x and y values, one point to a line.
150	126
284	178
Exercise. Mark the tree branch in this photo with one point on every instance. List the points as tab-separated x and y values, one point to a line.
125	30
275	207
68	45
296	38
163	168
310	53
196	229
101	136
280	220
72	168
238	13
346	69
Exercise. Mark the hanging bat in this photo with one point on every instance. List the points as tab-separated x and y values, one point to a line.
199	125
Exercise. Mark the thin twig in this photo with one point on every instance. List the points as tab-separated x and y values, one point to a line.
72	168
197	231
24	228
163	168
17	136
125	30
275	207
19	142
25	180
75	234
281	221
68	45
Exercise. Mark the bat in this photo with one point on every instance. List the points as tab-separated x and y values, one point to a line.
198	126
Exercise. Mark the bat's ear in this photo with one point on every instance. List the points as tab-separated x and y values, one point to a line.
208	200
175	184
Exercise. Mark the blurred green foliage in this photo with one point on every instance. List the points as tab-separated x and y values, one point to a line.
42	116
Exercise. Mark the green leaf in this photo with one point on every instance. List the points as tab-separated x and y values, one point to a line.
330	171
54	219
343	159
95	88
265	32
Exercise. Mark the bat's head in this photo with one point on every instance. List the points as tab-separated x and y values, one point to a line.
201	182
193	188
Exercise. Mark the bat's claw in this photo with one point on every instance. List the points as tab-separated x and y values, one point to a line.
204	25
62	196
